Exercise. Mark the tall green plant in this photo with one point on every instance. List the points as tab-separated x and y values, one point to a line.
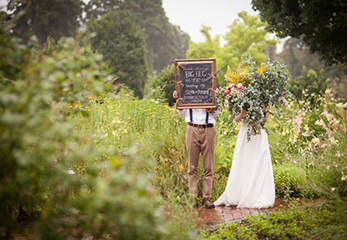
34	132
314	84
60	176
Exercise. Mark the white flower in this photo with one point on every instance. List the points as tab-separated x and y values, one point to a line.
319	122
315	141
333	141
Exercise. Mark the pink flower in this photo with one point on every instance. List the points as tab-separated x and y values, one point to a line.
326	114
233	92
231	85
239	86
327	129
297	124
344	128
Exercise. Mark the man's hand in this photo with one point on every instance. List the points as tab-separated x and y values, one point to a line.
175	95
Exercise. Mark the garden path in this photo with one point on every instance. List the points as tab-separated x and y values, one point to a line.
213	217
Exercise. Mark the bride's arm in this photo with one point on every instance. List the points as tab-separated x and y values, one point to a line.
266	111
239	117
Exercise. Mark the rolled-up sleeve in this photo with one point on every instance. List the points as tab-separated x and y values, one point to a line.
216	113
182	112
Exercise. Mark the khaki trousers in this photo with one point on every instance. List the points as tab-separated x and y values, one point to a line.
200	140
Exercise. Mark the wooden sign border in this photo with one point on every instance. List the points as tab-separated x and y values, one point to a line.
181	63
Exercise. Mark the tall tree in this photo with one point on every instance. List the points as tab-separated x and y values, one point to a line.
43	18
246	34
181	41
98	8
150	15
123	44
295	55
321	24
164	40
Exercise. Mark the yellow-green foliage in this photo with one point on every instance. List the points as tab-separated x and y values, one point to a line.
288	177
66	159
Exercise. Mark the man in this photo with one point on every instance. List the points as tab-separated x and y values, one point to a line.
200	136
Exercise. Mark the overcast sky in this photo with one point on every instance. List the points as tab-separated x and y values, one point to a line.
217	14
3	3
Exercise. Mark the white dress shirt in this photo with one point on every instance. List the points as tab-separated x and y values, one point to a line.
199	115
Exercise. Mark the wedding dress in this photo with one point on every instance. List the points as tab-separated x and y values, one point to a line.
251	182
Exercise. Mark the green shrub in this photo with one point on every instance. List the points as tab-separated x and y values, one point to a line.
314	84
288	177
166	81
70	182
329	173
297	223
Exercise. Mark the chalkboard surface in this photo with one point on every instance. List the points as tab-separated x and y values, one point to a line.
196	82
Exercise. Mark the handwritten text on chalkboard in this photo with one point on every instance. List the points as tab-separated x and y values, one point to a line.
196	83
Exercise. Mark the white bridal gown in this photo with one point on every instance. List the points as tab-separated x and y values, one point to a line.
251	182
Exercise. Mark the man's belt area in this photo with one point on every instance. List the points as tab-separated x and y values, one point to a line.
201	125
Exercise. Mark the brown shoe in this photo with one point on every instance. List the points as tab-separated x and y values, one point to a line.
206	203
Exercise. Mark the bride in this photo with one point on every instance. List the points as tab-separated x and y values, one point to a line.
251	182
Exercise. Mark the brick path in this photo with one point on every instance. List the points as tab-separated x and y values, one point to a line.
220	214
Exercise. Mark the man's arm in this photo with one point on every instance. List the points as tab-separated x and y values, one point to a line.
175	95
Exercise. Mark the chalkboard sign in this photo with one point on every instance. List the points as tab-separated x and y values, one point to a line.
196	83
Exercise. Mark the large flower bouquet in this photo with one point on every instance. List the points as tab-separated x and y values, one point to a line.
250	87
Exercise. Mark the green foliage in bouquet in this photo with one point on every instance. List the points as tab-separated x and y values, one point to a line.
250	87
272	84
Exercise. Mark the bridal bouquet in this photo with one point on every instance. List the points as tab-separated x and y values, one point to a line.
250	86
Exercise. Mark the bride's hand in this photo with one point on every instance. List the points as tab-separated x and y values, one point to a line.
264	108
240	116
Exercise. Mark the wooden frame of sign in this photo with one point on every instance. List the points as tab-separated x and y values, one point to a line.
196	83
